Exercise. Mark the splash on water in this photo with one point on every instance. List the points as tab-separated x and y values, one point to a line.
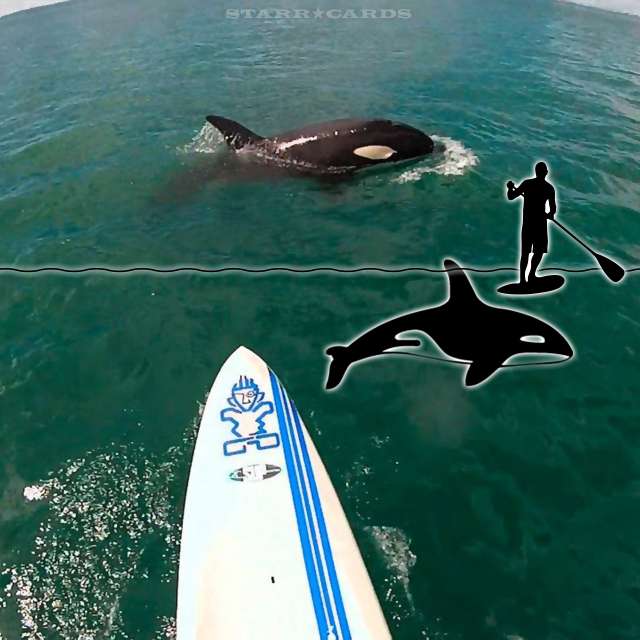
88	548
356	482
36	492
456	159
167	630
207	140
395	547
104	511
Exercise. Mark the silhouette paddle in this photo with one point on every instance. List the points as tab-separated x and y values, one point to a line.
611	269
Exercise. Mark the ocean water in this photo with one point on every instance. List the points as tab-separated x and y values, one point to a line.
506	512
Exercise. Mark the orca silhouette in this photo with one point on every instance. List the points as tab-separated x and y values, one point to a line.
464	327
338	146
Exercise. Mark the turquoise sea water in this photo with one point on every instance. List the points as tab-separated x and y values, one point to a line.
510	511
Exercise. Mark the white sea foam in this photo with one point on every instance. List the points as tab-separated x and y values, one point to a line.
630	7
13	6
207	140
167	630
456	160
395	547
36	492
79	565
103	511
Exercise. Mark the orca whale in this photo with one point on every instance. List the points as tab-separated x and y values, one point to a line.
464	327
338	146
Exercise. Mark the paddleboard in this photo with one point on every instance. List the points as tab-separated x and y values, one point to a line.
266	552
542	284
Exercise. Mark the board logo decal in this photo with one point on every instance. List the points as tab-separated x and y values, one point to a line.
255	472
246	413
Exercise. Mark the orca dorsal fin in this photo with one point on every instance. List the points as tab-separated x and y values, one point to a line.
461	290
235	135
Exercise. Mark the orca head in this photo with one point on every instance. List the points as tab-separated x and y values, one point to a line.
499	333
537	336
521	335
384	141
411	142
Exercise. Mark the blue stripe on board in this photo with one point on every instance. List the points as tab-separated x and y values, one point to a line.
300	517
333	577
314	537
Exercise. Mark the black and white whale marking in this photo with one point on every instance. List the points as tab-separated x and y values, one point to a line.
337	146
464	327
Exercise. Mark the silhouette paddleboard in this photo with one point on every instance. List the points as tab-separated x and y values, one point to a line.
542	284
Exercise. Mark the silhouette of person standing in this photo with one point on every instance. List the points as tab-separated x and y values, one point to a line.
534	237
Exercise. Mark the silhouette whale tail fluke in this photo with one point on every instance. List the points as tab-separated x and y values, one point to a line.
338	366
235	135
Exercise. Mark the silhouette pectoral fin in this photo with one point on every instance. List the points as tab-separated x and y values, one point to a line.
481	370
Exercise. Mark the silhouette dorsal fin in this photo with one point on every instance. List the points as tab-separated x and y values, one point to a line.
461	290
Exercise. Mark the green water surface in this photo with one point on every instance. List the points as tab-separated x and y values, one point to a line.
508	511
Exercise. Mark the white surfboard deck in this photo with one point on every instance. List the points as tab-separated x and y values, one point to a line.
266	552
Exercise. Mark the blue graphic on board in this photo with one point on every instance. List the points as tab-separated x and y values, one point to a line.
246	413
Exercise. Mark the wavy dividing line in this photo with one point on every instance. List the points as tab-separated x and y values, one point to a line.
261	270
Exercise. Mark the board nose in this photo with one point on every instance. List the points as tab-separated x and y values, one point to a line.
243	353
